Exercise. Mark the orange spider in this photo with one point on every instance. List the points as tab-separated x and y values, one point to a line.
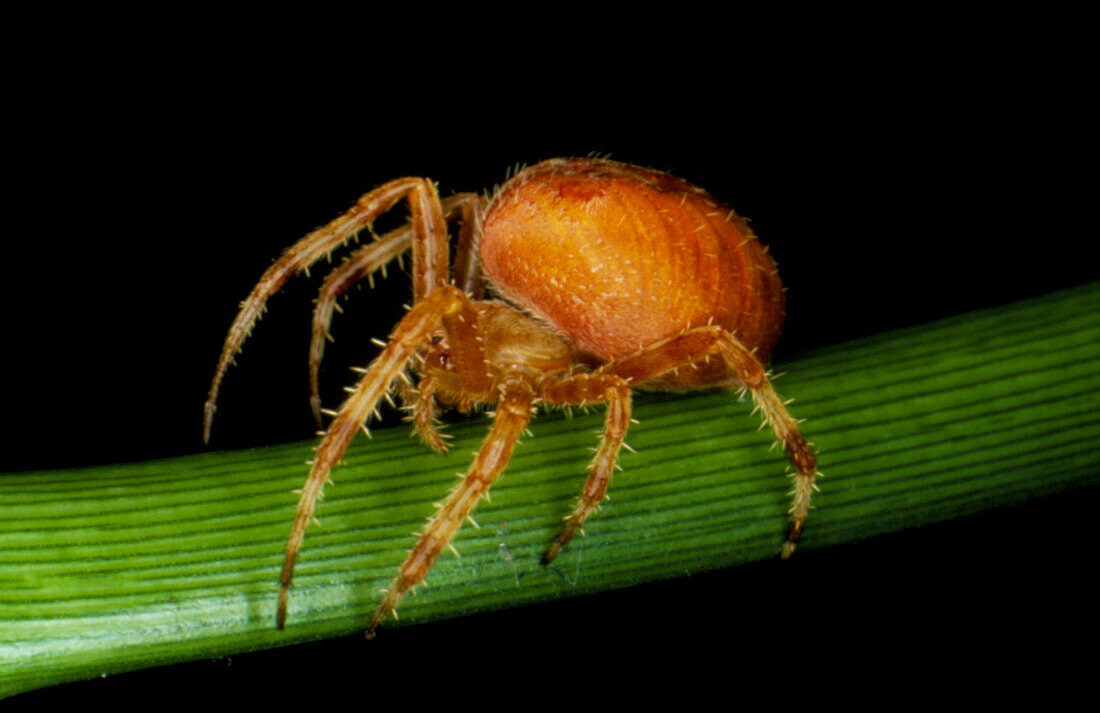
615	278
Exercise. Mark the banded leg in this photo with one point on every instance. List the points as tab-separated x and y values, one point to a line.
513	411
446	305
699	344
363	263
430	261
583	389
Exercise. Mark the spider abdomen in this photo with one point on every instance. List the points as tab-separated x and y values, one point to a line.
618	257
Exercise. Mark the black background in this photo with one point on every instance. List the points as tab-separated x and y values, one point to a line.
893	190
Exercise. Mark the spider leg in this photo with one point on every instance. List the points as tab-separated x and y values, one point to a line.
694	345
364	262
589	388
424	416
430	261
513	411
446	305
467	268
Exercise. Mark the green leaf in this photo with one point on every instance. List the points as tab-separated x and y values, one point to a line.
109	569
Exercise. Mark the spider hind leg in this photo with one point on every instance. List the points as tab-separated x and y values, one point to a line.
592	388
697	345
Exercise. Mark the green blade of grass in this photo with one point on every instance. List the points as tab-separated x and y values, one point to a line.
109	569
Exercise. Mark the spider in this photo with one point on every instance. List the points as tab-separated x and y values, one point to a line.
610	277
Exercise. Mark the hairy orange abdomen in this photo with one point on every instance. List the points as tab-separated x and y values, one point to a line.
618	257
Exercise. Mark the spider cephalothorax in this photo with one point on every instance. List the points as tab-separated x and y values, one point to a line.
616	278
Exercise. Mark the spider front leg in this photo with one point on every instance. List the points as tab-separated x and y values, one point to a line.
430	261
513	411
700	344
583	389
447	306
372	257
